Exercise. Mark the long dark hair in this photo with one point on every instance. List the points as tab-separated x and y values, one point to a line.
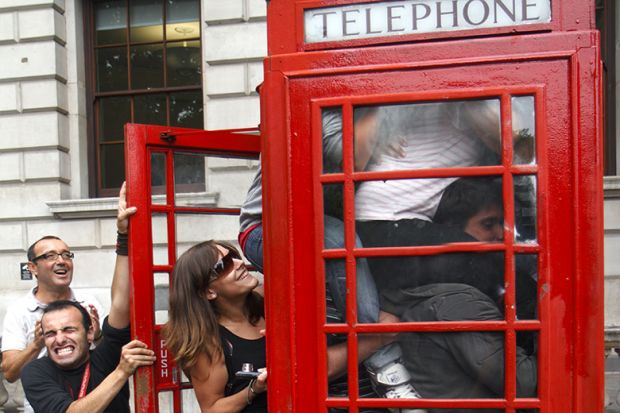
192	326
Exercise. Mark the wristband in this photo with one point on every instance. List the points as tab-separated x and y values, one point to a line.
122	244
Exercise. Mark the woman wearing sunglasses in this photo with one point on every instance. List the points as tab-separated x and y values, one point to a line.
214	327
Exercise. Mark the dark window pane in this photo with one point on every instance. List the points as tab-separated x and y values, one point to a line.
186	110
147	67
189	168
146	21
111	69
150	109
525	208
183	63
110	22
158	175
114	112
112	165
182	19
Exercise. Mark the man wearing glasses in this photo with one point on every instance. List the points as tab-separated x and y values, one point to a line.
51	262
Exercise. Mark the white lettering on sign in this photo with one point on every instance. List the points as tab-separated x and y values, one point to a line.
394	18
163	360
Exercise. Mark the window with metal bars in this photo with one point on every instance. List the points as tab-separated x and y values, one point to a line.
145	67
605	23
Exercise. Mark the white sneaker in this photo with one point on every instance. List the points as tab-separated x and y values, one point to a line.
392	382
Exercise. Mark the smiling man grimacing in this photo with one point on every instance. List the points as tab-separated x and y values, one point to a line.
72	378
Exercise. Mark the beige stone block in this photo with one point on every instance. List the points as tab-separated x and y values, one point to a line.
612	213
36	59
48	164
10	278
235	42
43	94
28	130
77	233
218	11
7	27
612	258
232	113
612	306
93	268
8	97
225	79
41	24
11	165
255	75
12	236
17	4
257	9
24	201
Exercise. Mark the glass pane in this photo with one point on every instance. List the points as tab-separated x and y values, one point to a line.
114	113
182	17
399	277
425	135
431	212
383	372
189	402
186	110
338	387
333	203
110	22
146	20
459	365
525	208
335	291
150	109
159	228
165	402
111	69
526	266
183	63
524	130
147	69
210	179
161	282
527	360
332	140
194	228
189	173
158	177
112	165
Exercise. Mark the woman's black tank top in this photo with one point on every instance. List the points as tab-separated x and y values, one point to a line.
237	351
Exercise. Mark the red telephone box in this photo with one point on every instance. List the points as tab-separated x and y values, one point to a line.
521	79
416	96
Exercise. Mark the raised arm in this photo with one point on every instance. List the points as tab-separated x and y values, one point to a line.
119	309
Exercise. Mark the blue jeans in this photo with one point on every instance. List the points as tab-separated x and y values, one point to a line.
335	271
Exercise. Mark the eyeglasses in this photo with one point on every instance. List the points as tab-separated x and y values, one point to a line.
224	264
53	256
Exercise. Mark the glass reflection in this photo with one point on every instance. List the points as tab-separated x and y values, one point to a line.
111	69
150	109
146	20
159	230
114	112
110	22
147	67
189	168
332	139
525	208
182	17
112	165
161	282
158	177
524	130
186	110
526	286
183	63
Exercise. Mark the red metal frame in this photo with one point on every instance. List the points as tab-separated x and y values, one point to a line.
561	67
142	140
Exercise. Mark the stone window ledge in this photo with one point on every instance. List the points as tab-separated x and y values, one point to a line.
106	207
611	186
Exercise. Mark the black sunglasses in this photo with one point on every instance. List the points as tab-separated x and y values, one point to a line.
224	264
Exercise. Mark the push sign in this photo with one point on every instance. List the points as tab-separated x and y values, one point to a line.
394	18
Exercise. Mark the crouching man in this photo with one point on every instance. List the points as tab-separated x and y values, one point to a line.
74	379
